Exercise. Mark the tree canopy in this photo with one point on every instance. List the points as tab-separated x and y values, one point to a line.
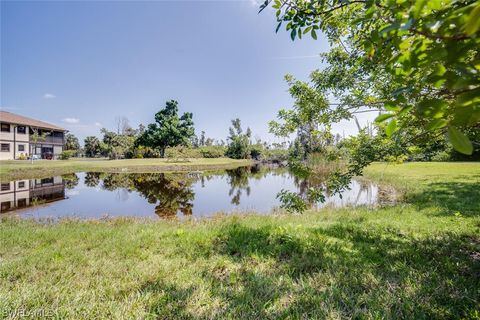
417	62
239	142
168	130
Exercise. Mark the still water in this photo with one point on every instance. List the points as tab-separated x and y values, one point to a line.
90	195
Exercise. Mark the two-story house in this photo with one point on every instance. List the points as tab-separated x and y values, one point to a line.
22	137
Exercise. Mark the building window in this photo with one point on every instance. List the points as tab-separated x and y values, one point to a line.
5	127
47	181
21	130
5	187
21	147
5	147
21	184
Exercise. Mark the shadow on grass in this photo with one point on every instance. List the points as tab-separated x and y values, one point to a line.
346	271
463	197
170	301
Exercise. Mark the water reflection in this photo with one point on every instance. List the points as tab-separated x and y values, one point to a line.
20	194
93	194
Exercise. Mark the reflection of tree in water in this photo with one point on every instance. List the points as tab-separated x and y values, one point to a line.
71	180
238	181
171	192
318	182
115	181
92	179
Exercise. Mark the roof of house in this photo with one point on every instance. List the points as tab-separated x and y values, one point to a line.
18	119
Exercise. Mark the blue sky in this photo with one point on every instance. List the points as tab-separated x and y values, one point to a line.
82	64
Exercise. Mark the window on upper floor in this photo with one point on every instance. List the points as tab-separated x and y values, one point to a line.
21	184
21	130
5	186
5	127
5	147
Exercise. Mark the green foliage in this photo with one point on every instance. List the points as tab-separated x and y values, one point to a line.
275	154
256	151
22	156
118	146
414	60
239	142
182	152
169	130
71	143
308	118
212	151
67	154
92	147
291	202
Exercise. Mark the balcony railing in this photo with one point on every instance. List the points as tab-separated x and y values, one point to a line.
55	140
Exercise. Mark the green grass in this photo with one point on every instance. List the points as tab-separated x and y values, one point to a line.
11	170
417	260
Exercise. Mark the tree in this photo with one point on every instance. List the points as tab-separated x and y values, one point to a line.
202	139
92	146
306	118
414	63
239	142
410	60
35	138
71	142
169	130
123	125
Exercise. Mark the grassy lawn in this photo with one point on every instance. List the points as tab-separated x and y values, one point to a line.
418	259
10	170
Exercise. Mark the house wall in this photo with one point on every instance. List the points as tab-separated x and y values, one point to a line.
19	138
23	139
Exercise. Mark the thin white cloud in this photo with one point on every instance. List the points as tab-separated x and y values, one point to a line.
98	124
49	96
71	120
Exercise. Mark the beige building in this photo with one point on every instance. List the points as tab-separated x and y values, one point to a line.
17	138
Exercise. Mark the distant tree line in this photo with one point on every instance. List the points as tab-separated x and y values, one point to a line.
171	135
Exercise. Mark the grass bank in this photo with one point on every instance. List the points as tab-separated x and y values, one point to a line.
418	259
11	170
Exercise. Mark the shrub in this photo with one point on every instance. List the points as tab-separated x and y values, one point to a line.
239	147
212	151
276	155
182	152
22	157
67	154
442	156
256	151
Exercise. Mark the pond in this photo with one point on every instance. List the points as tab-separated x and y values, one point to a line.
91	195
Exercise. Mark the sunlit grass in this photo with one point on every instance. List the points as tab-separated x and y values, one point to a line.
42	168
418	259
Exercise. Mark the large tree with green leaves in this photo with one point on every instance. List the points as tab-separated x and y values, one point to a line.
238	141
71	142
168	130
92	146
416	63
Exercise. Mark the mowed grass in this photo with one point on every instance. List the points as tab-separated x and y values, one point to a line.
11	170
418	259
